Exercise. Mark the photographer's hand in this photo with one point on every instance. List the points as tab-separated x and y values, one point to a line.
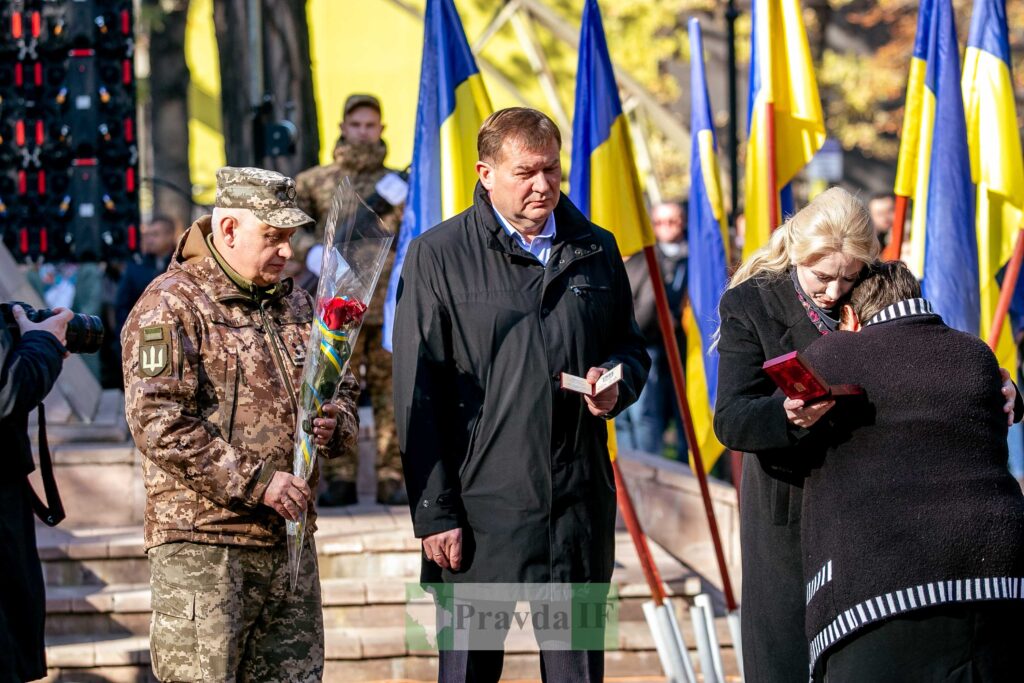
56	324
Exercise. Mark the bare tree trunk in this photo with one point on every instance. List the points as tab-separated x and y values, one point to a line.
290	79
229	19
169	81
287	74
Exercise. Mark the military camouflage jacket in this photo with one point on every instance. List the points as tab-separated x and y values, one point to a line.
210	396
364	166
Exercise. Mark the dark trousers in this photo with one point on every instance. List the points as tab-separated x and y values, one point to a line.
772	617
975	643
556	666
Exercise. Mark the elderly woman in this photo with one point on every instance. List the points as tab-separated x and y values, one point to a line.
912	527
781	299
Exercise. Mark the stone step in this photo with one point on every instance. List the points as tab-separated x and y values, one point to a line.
107	425
361	541
98	603
365	654
124	609
100	484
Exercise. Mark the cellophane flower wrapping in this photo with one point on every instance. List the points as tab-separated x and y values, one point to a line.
355	248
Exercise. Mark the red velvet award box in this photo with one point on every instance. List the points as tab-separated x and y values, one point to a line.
798	380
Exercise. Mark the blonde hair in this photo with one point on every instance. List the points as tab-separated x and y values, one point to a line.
834	221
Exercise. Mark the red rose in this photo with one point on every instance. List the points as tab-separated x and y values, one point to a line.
338	312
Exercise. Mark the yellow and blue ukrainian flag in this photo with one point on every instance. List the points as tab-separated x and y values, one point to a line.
996	164
944	193
783	98
453	103
603	181
708	274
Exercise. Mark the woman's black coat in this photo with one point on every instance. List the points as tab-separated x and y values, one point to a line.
29	369
490	442
762	319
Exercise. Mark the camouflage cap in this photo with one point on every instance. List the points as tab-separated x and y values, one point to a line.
268	194
359	100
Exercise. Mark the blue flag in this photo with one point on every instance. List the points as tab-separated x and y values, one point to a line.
453	103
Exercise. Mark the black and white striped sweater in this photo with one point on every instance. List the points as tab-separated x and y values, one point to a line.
911	505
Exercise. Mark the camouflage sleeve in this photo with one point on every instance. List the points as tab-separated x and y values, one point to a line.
161	358
304	197
346	435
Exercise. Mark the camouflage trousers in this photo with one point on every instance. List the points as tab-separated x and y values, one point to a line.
369	353
227	613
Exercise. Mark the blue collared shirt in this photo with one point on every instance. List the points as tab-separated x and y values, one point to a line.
540	246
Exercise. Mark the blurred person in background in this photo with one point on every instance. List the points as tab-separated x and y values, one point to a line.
739	235
642	426
159	238
882	208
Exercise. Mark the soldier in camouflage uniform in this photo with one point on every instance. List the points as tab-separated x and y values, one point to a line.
213	356
359	155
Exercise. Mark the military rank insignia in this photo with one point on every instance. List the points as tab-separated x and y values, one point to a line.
155	351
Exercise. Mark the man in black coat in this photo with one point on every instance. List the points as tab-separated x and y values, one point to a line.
508	474
30	367
912	527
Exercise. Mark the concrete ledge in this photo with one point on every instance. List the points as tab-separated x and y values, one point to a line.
668	502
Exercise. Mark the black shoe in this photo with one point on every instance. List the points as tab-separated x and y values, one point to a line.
392	492
338	494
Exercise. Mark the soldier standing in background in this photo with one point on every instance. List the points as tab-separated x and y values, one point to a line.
359	155
213	357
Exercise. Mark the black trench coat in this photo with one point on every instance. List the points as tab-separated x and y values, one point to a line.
489	441
761	320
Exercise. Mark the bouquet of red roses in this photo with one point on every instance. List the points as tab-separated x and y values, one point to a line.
355	248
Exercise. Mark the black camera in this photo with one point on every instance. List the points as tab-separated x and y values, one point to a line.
84	332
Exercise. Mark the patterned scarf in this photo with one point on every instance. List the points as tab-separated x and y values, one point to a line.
821	318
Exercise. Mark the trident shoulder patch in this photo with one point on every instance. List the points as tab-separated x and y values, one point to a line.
155	351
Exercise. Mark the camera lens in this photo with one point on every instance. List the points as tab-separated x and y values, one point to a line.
84	334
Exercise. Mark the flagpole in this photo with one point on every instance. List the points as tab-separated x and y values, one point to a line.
643	550
675	363
1006	291
895	247
731	14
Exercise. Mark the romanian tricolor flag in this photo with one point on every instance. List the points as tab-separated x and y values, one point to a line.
603	181
945	241
453	103
708	275
786	125
996	164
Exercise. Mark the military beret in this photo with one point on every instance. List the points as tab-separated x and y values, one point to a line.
268	194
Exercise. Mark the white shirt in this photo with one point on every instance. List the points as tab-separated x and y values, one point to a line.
540	246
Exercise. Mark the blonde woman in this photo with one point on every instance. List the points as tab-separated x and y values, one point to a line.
780	300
